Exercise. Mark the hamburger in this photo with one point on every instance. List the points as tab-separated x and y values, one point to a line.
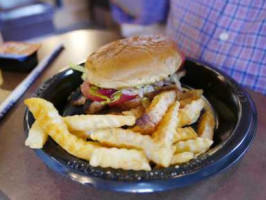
132	69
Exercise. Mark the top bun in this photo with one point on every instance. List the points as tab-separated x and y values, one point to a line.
133	61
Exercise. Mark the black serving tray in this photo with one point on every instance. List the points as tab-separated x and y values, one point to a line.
236	126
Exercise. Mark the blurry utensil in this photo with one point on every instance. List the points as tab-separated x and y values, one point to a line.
26	83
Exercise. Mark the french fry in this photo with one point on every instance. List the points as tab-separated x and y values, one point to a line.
93	122
155	112
190	113
199	145
188	96
124	138
119	137
166	129
158	149
52	124
186	133
163	137
191	94
36	137
180	158
137	112
159	134
82	134
127	159
206	124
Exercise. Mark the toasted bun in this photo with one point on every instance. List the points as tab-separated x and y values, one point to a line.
133	61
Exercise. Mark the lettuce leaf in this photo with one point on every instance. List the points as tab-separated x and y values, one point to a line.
95	92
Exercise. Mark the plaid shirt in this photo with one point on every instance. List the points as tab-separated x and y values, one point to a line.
227	34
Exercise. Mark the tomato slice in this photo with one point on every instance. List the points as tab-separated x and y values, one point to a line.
103	94
85	89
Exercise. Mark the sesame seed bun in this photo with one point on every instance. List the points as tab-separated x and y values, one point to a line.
133	61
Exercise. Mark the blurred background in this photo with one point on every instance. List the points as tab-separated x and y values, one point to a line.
27	19
23	20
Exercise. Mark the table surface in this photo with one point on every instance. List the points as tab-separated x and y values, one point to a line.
24	176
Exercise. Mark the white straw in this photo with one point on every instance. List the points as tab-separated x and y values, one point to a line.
26	83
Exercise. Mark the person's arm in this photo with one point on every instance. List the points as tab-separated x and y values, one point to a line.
143	12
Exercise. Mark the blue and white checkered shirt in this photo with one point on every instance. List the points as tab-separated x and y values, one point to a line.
227	34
